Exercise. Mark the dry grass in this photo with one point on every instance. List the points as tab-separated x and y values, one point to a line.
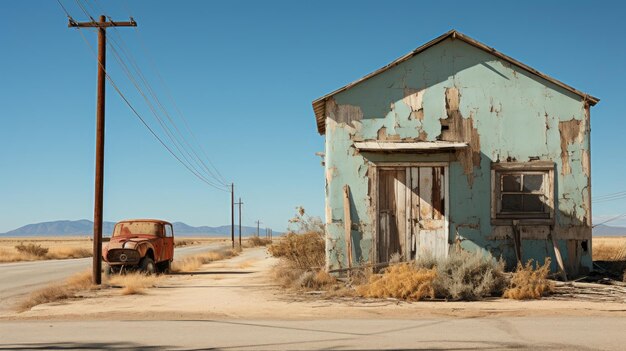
256	241
133	283
304	251
530	282
609	248
185	242
191	263
59	291
401	281
33	249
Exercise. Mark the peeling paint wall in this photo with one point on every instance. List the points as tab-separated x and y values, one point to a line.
456	92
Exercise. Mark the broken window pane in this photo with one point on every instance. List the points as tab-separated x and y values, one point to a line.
533	182
511	182
533	203
511	203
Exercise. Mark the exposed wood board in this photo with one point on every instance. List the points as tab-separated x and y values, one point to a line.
423	145
347	224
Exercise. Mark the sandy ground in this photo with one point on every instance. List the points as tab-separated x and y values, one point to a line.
241	288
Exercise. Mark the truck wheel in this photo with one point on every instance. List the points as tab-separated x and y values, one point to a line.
147	266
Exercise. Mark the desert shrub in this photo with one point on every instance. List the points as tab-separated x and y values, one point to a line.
303	223
256	241
133	283
466	276
32	249
402	281
68	252
530	282
304	251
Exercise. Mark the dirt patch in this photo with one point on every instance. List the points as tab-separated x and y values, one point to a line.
242	287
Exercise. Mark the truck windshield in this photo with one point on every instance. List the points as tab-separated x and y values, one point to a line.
137	228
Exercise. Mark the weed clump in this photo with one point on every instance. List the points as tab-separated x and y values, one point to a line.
133	283
530	282
32	249
256	241
402	281
466	276
191	263
303	251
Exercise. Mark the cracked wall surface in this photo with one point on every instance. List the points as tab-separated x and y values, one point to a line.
456	92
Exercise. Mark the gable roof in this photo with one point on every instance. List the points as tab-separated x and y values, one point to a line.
319	105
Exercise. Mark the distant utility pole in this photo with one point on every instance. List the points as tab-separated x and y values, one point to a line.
257	228
99	180
239	203
232	213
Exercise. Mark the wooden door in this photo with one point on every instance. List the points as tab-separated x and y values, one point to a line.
428	225
392	219
412	208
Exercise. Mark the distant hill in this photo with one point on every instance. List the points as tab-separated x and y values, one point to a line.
85	227
606	230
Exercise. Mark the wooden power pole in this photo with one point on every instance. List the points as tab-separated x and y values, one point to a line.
239	203
258	223
232	213
99	179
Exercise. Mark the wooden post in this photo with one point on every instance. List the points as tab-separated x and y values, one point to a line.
100	127
347	221
559	258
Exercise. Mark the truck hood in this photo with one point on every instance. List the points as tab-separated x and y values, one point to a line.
126	243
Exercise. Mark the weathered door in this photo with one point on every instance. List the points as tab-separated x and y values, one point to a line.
412	212
392	190
428	230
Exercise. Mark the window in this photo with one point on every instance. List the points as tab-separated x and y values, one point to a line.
168	231
522	190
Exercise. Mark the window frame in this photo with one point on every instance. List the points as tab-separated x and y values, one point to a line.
545	168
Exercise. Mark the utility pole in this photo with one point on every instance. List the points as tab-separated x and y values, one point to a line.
99	179
239	203
257	228
232	213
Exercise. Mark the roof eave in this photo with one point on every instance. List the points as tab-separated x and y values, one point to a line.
319	105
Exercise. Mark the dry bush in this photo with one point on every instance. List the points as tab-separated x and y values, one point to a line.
288	276
530	282
466	276
68	252
32	249
59	291
256	241
401	281
191	263
304	251
133	283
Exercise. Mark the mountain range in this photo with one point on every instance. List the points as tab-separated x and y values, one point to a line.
85	227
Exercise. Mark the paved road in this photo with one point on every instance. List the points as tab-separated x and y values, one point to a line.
19	278
511	333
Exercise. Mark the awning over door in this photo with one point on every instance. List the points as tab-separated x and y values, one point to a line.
408	146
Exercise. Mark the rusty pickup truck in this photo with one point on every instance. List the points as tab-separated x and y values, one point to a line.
140	244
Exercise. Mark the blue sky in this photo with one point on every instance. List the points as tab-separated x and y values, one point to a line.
244	74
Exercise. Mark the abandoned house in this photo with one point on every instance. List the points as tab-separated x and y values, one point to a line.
457	143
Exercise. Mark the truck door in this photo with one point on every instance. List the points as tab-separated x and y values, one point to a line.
168	243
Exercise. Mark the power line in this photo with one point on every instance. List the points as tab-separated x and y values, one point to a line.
117	89
166	129
214	173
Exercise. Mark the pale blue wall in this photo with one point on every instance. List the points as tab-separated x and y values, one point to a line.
517	116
